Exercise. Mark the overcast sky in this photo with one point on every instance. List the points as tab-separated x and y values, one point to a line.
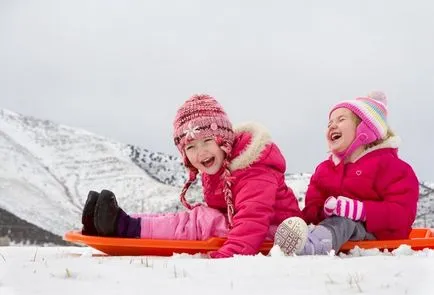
122	68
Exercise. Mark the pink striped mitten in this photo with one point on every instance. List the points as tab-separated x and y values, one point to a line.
345	207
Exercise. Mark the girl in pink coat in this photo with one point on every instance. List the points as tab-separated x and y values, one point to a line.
363	191
243	182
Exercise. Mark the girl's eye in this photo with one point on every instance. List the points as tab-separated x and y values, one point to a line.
208	139
189	147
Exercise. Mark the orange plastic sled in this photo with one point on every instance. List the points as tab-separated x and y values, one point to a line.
419	239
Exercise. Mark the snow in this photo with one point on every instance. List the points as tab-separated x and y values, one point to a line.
82	270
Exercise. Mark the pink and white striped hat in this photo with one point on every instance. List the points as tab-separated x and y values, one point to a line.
371	109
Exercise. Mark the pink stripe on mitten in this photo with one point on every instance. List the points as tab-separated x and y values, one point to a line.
350	208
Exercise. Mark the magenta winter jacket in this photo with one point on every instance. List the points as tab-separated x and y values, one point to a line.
260	194
387	186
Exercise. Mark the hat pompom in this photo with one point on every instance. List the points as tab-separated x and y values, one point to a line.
379	96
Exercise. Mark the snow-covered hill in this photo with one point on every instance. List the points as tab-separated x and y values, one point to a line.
47	169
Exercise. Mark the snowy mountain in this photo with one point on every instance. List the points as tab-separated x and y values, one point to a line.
47	169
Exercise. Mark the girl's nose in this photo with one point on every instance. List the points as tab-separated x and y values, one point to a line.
201	150
332	125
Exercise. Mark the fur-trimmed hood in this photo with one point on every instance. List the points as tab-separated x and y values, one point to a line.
258	140
392	142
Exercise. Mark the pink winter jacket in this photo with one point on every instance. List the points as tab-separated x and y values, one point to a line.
385	184
260	195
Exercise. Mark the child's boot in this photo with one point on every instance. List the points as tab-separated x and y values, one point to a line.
87	215
112	221
291	235
319	242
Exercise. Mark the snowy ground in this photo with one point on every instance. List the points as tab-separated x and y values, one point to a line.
73	270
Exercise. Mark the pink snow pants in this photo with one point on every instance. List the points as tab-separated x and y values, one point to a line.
200	223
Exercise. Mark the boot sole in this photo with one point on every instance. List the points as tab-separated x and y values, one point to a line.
291	235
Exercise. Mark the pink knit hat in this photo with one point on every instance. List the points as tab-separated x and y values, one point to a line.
372	110
199	117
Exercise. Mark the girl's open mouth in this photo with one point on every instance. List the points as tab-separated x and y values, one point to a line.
335	136
208	162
